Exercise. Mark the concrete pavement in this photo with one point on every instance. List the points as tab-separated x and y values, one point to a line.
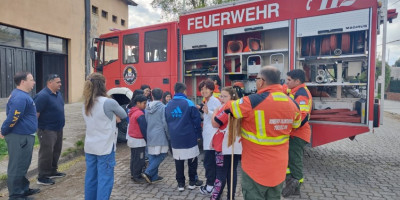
392	106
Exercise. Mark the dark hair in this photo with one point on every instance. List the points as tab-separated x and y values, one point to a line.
271	75
166	93
179	87
216	78
297	74
135	93
139	99
19	76
157	93
52	76
144	86
208	83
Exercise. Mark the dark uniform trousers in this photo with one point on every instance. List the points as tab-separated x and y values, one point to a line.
49	152
20	149
296	150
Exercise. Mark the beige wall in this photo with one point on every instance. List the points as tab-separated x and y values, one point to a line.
66	19
100	25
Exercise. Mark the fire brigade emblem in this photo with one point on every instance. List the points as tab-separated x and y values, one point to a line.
130	75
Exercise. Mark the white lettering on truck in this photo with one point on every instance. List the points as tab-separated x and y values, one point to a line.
234	16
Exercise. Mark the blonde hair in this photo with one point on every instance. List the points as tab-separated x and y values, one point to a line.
234	124
95	86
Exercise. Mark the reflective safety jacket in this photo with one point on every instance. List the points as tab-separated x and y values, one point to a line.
303	98
268	118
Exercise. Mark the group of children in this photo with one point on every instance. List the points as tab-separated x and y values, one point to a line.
158	122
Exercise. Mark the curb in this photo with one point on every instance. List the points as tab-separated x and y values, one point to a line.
33	172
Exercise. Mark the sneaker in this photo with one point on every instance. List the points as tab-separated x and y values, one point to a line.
146	177
203	190
290	188
58	175
181	187
194	184
199	183
45	181
139	180
160	178
30	192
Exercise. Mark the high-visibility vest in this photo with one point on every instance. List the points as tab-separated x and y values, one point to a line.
268	116
303	98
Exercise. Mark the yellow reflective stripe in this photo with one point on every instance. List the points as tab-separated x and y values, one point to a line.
270	141
279	96
236	109
304	108
288	170
301	180
297	121
260	123
291	96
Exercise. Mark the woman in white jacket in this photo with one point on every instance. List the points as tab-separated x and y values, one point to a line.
100	114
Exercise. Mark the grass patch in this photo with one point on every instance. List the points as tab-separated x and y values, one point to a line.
78	147
3	177
3	147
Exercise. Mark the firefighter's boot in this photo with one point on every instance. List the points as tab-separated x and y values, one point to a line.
292	185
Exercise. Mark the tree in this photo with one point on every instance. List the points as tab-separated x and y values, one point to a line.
172	8
378	72
397	63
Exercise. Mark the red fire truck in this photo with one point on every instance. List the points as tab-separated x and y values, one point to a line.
333	41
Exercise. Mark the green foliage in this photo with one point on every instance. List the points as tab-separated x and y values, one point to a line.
3	177
172	8
78	147
3	148
379	72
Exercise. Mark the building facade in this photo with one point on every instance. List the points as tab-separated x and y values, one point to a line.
48	36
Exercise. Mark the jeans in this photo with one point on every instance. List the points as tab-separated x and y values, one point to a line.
49	152
20	149
180	170
137	162
210	166
154	163
223	175
99	178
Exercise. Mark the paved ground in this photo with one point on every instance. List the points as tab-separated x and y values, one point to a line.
366	168
392	106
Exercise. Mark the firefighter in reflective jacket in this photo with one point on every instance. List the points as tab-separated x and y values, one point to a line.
299	137
268	119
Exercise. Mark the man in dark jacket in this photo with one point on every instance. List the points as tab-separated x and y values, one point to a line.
183	121
19	131
50	111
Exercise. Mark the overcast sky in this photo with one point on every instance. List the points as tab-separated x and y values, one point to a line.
144	14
